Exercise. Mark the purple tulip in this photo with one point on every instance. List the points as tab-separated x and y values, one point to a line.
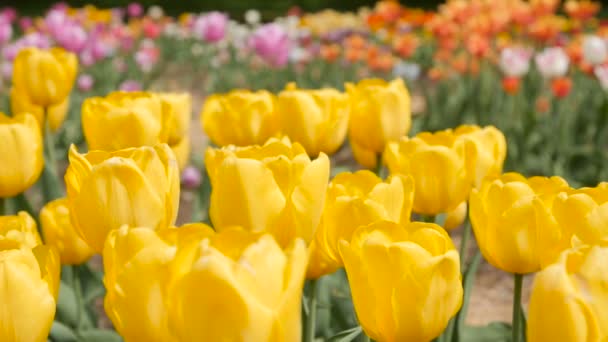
72	37
191	177
211	26
85	82
55	21
130	85
135	9
271	42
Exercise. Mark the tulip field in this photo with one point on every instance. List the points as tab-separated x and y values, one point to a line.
329	176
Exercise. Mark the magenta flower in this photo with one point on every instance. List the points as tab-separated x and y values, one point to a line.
271	43
6	31
8	14
135	9
191	177
211	26
72	38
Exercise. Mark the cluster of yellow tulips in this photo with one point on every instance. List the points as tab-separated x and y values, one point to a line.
278	220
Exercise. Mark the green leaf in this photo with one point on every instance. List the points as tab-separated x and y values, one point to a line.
99	335
346	335
493	332
62	333
91	283
468	280
67	305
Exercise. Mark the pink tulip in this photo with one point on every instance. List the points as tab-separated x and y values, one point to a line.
85	82
8	14
130	85
72	37
191	177
211	26
135	9
515	61
6	32
271	42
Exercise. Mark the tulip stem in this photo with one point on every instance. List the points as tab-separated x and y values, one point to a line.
518	279
2	206
379	166
50	183
309	333
366	338
466	235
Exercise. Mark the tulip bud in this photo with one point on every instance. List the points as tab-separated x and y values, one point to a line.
275	188
405	280
21	160
380	113
513	222
317	119
17	231
135	186
354	200
240	118
59	233
46	77
569	301
256	283
442	166
30	282
490	147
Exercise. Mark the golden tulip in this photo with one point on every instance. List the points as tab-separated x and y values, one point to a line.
441	165
584	213
569	301
317	119
456	217
30	282
405	280
275	187
178	111
380	113
240	117
55	114
124	119
137	275
135	186
354	200
238	286
182	152
513	223
46	76
490	148
17	231
21	160
59	233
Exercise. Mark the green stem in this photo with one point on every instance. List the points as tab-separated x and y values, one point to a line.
309	332
518	279
379	166
365	337
466	234
78	293
50	181
2	206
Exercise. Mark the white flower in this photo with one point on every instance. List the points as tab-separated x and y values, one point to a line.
594	50
409	71
253	17
552	62
515	61
601	72
155	12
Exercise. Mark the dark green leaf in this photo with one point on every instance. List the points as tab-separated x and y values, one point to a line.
468	280
91	283
493	332
62	333
67	305
346	335
98	335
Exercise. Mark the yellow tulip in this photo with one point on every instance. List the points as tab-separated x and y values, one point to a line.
380	113
59	233
512	220
240	117
21	160
135	186
317	119
46	76
456	217
56	114
124	119
17	231
275	188
441	165
584	213
137	275
405	280
238	286
569	301
354	200
182	152
178	111
30	281
490	148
